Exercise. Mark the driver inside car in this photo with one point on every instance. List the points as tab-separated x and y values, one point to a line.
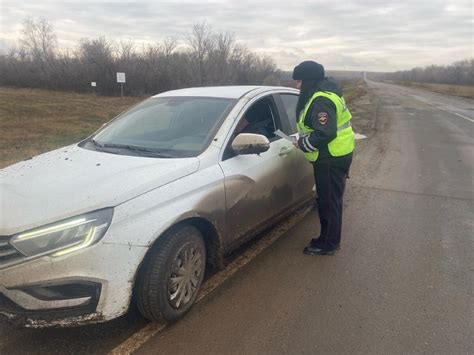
255	122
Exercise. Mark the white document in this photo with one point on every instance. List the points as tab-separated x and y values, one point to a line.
291	138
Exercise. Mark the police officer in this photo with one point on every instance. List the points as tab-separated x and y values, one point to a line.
327	140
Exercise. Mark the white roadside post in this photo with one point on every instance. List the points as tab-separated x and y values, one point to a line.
121	80
93	84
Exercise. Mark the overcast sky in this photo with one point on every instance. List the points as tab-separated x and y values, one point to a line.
347	35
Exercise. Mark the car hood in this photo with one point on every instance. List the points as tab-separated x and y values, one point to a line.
72	180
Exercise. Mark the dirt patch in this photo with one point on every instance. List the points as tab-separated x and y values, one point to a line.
363	106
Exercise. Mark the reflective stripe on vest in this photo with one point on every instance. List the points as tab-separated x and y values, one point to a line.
344	126
344	142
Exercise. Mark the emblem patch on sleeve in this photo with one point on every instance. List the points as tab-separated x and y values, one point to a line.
323	118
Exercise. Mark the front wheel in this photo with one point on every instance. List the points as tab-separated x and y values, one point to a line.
171	275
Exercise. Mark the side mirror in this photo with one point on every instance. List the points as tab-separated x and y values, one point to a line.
249	143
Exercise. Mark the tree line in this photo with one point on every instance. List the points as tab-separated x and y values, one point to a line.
207	58
458	73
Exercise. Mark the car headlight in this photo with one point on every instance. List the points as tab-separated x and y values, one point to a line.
64	237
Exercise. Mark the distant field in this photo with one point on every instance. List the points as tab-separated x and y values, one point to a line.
35	121
456	90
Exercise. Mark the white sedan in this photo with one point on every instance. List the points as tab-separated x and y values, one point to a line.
144	205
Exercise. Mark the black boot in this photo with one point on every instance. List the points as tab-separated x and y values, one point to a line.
316	244
311	250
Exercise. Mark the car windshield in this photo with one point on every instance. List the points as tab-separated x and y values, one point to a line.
164	126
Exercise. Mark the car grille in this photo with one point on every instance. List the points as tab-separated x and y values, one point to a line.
8	254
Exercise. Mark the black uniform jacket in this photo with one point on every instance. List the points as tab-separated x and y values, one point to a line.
322	118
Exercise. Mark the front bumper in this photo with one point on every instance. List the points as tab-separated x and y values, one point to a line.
89	286
45	303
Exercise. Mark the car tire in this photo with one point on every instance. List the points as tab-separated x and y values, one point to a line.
171	275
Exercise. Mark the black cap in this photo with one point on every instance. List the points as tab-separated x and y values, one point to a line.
308	70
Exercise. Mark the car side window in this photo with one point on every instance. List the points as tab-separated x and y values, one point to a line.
260	118
289	102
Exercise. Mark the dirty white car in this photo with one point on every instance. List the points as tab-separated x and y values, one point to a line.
136	212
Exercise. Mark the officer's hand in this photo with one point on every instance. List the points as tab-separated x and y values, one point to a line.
295	142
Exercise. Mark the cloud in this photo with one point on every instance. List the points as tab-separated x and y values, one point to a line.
359	35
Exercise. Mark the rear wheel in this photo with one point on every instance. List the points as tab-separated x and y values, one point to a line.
171	275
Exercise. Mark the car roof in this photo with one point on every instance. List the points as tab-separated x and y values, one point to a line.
232	92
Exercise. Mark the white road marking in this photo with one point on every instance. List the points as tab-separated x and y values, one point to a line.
137	340
358	136
442	108
458	114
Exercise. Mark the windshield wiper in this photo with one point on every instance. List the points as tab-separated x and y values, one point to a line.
139	150
97	144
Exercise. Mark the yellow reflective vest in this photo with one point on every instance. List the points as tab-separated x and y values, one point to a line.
344	142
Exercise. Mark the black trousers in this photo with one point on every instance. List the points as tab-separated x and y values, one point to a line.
330	178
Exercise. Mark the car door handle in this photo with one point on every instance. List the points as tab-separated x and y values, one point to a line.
285	151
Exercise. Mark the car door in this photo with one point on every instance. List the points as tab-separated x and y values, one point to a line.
257	187
303	172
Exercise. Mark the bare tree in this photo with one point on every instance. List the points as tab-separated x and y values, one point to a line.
169	46
460	73
39	43
210	58
98	64
201	43
38	39
219	57
127	50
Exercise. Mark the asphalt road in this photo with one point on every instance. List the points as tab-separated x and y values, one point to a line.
402	282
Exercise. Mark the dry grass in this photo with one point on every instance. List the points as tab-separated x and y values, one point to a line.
353	89
456	90
36	121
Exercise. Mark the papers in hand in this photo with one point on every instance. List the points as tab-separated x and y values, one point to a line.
291	138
